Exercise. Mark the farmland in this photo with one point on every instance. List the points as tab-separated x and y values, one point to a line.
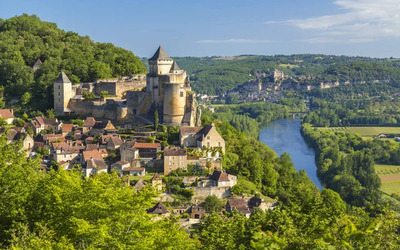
366	132
390	177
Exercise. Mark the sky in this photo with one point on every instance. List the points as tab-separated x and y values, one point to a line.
227	27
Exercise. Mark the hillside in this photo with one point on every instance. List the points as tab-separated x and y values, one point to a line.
25	38
217	75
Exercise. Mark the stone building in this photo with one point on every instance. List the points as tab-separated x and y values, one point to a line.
207	136
174	158
165	89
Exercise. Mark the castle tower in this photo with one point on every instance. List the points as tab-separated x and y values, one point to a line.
62	93
174	103
159	64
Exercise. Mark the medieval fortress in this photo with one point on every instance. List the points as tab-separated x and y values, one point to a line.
133	100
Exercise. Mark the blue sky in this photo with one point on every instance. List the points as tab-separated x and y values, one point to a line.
228	27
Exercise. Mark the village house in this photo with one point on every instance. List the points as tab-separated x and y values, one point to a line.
14	136
94	128
159	209
207	136
65	152
128	152
7	115
147	149
238	204
66	129
174	158
47	139
93	163
110	141
218	179
134	171
41	123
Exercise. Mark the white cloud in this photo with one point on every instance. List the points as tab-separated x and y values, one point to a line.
359	21
235	41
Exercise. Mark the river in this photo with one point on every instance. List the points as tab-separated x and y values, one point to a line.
284	136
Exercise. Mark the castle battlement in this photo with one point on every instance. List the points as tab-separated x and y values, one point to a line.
166	88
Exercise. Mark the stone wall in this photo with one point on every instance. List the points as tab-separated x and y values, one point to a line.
138	103
220	192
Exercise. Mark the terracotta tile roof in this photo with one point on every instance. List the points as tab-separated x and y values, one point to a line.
146	145
132	169
89	122
190	130
40	120
67	127
50	121
93	154
6	113
91	147
174	152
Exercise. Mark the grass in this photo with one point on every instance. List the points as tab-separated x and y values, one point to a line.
391	187
389	172
291	66
366	132
383	170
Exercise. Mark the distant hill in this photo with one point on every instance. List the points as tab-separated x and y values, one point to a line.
25	38
216	75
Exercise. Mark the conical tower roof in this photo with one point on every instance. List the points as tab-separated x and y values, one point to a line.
38	62
175	67
160	54
62	78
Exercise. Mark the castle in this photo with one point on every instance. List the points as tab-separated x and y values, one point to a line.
133	100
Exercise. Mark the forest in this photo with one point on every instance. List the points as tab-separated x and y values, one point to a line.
25	39
61	209
218	75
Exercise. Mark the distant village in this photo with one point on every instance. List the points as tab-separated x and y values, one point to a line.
118	134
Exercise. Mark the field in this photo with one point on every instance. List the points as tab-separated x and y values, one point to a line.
366	132
390	177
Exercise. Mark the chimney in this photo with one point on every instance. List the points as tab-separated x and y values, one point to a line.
12	111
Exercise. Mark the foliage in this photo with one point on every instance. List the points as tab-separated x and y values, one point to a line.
60	209
212	204
25	38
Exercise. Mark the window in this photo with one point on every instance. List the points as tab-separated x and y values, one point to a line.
208	137
170	163
181	93
58	86
219	144
58	93
208	144
181	162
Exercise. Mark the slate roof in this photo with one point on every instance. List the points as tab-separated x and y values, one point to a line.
175	67
6	113
160	55
174	151
62	78
96	163
159	208
156	177
219	176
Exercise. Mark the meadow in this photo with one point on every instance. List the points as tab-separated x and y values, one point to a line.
390	177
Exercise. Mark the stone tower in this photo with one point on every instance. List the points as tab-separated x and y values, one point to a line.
62	94
159	64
